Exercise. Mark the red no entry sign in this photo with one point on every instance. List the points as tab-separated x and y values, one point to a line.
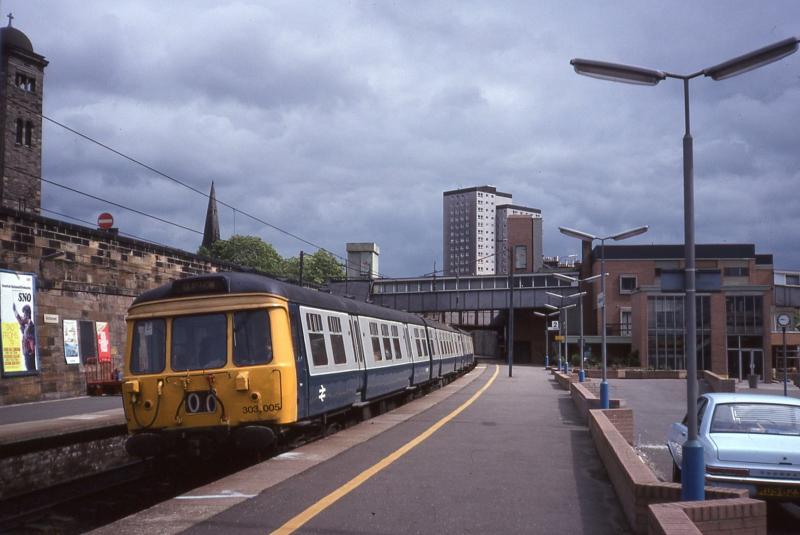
105	220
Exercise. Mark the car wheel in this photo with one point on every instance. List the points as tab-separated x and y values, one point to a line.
676	473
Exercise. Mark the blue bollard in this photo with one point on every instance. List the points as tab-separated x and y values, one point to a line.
604	401
581	376
693	472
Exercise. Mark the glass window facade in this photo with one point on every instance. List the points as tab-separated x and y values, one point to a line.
666	342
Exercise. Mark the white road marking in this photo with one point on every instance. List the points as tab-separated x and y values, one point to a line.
223	494
295	455
81	417
652	446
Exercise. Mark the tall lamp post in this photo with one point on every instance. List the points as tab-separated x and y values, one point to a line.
577	282
692	472
561	308
585	236
546	338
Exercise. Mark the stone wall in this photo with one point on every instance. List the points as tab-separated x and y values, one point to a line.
95	277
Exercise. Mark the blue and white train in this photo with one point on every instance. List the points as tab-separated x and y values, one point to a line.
242	358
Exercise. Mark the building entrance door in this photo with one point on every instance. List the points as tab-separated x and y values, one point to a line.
743	362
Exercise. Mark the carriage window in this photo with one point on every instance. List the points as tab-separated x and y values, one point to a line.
199	342
376	341
337	340
396	342
316	339
148	351
387	344
419	347
252	343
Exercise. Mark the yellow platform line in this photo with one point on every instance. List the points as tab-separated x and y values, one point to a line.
301	519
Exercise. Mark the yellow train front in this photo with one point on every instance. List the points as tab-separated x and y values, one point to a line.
239	359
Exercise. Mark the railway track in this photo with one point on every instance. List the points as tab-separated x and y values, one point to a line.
99	499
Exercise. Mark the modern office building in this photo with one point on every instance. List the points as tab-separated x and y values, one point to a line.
645	306
475	230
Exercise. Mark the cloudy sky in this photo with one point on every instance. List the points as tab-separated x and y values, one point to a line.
345	121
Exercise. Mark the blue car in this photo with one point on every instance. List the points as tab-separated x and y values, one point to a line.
750	441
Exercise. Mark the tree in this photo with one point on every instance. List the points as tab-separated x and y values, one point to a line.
249	251
318	268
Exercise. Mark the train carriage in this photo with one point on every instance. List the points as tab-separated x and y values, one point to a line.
241	357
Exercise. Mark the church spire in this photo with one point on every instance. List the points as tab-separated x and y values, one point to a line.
211	231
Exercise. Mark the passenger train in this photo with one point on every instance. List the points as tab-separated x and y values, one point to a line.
245	360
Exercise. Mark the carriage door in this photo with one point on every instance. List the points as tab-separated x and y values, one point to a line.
358	348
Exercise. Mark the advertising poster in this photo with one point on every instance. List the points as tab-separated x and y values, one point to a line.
72	349
103	342
17	317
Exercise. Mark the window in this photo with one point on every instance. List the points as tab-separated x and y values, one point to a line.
199	342
627	284
24	132
396	342
520	256
376	341
148	350
736	272
25	82
793	280
316	339
337	340
387	343
625	322
252	343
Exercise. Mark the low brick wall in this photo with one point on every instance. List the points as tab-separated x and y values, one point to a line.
715	517
563	379
717	383
638	488
637	373
586	397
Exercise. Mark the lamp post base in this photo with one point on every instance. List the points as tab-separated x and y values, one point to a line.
693	472
546	362
604	401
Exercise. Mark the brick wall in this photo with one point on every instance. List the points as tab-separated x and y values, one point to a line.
718	383
95	279
635	484
716	517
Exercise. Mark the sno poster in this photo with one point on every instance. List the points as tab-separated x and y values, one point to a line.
17	320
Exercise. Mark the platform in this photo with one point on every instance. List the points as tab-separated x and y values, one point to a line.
514	460
23	424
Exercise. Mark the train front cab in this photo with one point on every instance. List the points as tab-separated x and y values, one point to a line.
199	367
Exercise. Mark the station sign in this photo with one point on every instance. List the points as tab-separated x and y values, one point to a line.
559	338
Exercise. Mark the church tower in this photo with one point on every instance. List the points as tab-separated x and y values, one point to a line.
21	89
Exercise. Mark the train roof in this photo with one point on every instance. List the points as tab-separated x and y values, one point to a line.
243	283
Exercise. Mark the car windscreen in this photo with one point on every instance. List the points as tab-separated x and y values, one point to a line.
760	418
199	342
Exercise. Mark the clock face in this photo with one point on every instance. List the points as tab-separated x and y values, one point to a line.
784	320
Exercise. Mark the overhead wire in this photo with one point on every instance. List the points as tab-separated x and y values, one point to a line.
188	186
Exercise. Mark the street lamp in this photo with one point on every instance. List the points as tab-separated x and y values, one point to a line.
546	337
566	319
693	476
585	236
577	282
